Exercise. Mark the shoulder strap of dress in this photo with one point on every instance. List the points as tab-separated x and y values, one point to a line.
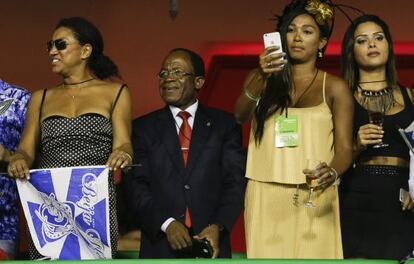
41	104
323	87
117	97
407	101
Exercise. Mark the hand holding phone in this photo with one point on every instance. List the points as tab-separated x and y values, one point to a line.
272	40
405	199
403	195
201	248
272	59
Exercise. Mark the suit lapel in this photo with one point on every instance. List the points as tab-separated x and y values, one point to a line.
168	134
201	131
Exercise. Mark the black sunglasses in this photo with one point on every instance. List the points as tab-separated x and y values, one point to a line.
59	44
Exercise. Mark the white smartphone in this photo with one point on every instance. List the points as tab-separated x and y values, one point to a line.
272	39
403	194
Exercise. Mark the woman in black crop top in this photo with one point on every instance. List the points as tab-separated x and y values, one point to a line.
375	224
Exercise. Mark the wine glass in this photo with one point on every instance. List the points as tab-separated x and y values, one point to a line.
312	174
376	113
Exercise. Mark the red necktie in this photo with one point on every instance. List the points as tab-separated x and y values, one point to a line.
184	136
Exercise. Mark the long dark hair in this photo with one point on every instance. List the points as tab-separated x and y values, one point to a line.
87	33
349	66
275	96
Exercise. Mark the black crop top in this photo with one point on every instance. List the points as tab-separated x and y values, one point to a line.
396	146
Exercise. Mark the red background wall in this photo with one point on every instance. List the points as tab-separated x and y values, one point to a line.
139	33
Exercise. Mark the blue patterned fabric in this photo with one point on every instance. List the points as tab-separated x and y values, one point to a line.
13	103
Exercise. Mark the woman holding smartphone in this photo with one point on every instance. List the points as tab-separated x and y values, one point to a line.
300	113
375	224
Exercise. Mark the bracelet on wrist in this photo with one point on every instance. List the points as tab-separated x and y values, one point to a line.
128	156
251	97
333	172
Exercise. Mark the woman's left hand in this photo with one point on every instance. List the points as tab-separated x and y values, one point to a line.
327	175
407	204
119	159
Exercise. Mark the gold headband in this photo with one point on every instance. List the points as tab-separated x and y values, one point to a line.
322	11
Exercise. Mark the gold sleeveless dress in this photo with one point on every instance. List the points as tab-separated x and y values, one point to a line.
277	225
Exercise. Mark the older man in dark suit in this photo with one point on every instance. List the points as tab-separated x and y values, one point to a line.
189	180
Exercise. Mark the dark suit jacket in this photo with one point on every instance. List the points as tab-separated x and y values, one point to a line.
212	185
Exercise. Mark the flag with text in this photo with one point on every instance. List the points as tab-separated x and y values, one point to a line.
67	211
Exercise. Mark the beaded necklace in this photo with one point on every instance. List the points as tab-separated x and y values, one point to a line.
383	98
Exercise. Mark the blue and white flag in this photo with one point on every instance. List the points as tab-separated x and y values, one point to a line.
67	211
408	136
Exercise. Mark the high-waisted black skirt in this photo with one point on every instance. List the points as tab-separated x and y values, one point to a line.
372	221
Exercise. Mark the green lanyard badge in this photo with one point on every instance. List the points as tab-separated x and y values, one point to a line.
286	131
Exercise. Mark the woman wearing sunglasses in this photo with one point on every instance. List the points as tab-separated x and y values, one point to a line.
85	120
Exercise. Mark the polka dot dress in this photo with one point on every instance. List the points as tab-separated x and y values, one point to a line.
81	141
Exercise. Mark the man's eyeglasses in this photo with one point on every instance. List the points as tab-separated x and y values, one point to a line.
175	74
59	44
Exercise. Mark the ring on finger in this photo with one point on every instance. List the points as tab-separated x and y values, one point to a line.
269	64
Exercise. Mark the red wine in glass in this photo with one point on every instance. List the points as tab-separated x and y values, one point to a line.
377	118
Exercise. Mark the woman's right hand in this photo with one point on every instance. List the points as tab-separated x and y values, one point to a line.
369	134
18	167
272	60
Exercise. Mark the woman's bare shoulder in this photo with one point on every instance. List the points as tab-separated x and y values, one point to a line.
336	82
109	87
37	95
